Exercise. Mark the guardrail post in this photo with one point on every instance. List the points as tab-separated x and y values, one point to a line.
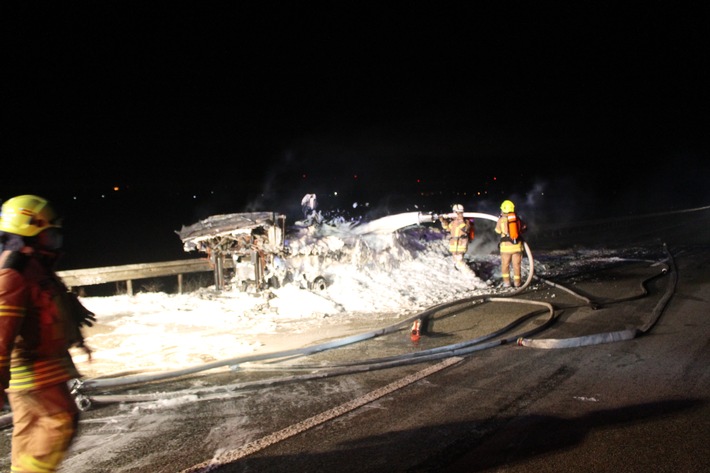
218	272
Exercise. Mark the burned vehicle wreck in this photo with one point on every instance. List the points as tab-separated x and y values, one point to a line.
255	251
249	251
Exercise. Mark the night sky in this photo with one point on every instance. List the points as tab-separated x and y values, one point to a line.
193	110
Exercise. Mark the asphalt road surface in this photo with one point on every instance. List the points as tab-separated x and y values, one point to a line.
635	405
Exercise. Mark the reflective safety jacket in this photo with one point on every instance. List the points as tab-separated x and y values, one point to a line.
458	229
36	330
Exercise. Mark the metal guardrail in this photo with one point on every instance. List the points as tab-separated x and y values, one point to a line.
92	276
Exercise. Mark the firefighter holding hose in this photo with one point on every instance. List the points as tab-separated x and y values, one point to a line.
510	229
460	232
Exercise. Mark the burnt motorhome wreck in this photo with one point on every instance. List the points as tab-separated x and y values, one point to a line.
249	251
242	247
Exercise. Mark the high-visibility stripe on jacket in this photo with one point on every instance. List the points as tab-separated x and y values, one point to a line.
508	247
40	373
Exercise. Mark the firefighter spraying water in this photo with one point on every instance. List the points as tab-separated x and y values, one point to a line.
509	226
460	235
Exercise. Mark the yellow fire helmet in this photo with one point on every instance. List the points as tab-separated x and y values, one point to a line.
507	206
27	215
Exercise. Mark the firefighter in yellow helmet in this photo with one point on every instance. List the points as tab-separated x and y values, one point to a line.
511	243
39	321
459	235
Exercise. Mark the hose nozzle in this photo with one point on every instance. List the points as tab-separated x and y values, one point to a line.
427	218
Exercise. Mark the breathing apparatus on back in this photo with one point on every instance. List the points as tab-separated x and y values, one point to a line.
516	227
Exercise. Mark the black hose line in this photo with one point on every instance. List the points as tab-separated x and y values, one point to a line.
323	371
628	334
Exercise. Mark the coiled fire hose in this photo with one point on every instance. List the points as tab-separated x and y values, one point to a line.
628	334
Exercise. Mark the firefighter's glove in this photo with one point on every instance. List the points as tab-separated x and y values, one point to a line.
81	315
87	318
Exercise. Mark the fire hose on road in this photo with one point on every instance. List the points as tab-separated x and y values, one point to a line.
607	337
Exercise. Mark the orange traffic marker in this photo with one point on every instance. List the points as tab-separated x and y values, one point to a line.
416	330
